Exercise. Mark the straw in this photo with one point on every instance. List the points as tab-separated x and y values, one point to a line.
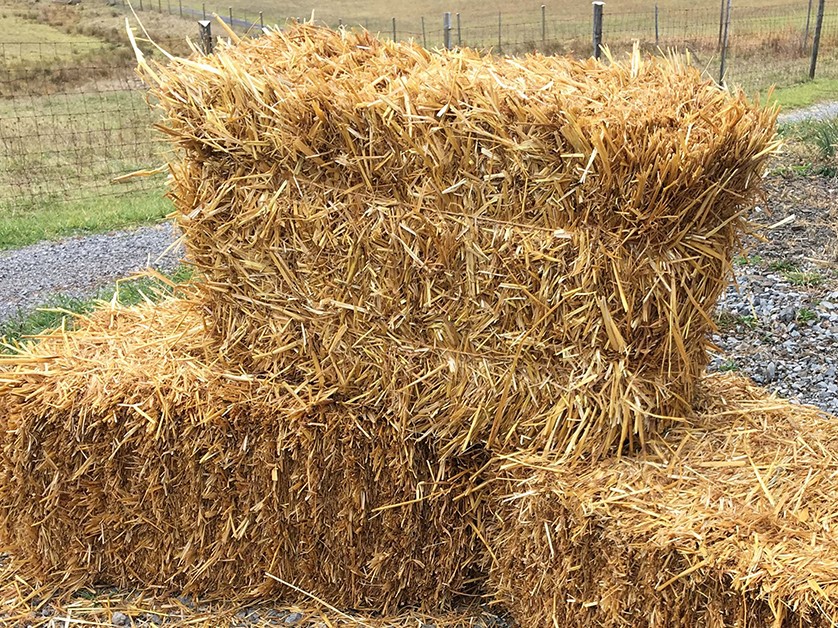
727	521
513	253
131	456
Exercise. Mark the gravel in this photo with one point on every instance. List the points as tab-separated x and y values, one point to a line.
820	111
779	325
80	266
783	336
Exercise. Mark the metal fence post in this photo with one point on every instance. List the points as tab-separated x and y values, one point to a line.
543	27
180	7
459	32
816	42
160	6
721	24
657	29
261	20
725	35
204	10
446	30
500	30
598	28
424	37
394	29
141	5
206	36
231	17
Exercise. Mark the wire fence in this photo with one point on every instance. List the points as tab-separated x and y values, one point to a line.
74	120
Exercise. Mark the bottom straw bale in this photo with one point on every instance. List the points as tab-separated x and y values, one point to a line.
726	522
129	458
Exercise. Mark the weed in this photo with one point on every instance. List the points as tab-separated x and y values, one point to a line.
804	315
782	266
728	366
800	278
751	322
748	260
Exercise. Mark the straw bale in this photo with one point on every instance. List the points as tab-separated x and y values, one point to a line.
132	457
726	522
513	252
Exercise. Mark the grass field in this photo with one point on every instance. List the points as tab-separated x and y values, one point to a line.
24	40
48	220
472	11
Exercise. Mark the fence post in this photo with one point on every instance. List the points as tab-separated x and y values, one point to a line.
725	35
261	20
160	6
806	30
206	36
657	28
180	7
446	30
231	17
394	29
500	30
816	42
543	27
598	5
721	24
424	37
141	5
459	32
203	10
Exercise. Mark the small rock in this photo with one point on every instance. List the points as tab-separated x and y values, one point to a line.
293	618
120	619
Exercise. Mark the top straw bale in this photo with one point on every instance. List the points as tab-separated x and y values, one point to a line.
519	252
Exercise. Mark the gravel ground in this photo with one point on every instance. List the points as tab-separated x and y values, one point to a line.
819	111
79	266
780	325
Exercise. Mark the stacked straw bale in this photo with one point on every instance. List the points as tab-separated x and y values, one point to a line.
728	522
520	253
129	458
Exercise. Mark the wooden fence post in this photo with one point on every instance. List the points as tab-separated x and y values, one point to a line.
816	42
598	6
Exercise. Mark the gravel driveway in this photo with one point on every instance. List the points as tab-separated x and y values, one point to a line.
79	266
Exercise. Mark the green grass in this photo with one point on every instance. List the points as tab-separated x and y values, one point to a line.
49	221
39	40
804	315
782	266
74	144
61	309
729	366
804	94
58	157
800	278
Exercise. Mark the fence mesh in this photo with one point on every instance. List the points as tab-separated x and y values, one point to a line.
74	121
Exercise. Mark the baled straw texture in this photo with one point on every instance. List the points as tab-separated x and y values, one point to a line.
728	522
519	252
130	459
